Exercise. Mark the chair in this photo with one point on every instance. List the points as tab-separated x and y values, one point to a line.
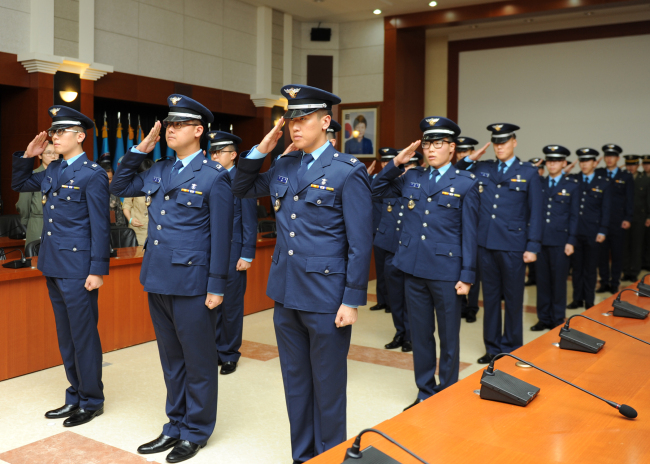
123	237
266	226
32	248
261	212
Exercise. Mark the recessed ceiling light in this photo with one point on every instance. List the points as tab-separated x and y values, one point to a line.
589	13
377	11
529	20
474	26
433	3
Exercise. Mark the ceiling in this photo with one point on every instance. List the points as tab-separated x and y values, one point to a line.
355	10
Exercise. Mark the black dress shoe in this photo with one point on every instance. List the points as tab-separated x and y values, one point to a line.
220	363
539	327
575	305
486	358
603	289
377	307
388	310
160	444
407	347
183	451
63	411
398	341
228	367
470	317
415	403
530	283
81	416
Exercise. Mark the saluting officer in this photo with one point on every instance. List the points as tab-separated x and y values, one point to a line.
332	130
379	253
74	254
437	248
230	313
510	221
621	187
592	228
465	146
633	251
185	268
386	238
560	229
319	272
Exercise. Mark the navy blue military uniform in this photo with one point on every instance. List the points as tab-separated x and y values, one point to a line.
595	203
186	257
230	314
510	219
386	238
437	249
469	305
380	253
321	260
621	187
560	227
75	243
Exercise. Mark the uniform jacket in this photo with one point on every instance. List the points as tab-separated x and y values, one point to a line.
75	241
595	204
390	224
641	196
561	212
324	227
439	238
621	191
377	207
190	224
30	208
510	215
244	229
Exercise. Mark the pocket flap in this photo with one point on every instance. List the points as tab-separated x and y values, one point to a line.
189	257
404	239
411	193
191	200
320	197
71	194
276	254
326	266
278	189
150	189
449	249
517	225
74	244
519	186
46	186
448	201
382	227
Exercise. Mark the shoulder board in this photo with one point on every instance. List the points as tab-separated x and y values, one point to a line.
606	178
91	164
345	158
464	173
527	164
213	164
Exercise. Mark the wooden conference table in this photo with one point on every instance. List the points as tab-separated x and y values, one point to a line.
561	425
28	340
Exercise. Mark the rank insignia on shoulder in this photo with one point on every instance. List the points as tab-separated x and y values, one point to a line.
353	160
282	179
485	174
322	187
472	176
156	180
414	185
191	191
49	179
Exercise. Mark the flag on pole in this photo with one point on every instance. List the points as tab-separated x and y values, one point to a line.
95	150
129	141
156	151
140	137
119	145
104	137
207	152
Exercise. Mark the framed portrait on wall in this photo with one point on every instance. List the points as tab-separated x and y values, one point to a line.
359	128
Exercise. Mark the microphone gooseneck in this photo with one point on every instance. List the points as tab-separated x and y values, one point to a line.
618	297
354	452
624	409
566	327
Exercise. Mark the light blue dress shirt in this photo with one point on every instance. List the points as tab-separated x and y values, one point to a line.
556	179
613	171
441	171
588	178
73	159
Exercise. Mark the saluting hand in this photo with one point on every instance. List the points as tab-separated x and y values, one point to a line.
405	155
529	257
289	149
37	146
94	282
626	225
478	153
462	288
567	169
212	301
371	168
345	316
271	140
150	141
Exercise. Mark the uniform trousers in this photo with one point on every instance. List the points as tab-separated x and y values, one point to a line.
396	300
380	260
612	246
230	316
552	273
584	262
633	251
469	302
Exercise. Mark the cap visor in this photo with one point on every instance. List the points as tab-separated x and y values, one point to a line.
500	139
291	114
175	118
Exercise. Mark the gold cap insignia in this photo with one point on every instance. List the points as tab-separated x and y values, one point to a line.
54	111
610	146
433	121
552	148
293	92
461	140
212	136
175	100
497	127
385	150
584	150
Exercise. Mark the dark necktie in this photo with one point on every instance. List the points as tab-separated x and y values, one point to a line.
64	164
502	167
177	166
586	179
553	183
306	159
434	174
609	174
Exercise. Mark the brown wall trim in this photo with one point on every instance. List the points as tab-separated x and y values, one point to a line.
535	38
496	10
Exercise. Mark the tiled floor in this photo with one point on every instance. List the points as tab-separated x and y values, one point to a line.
252	424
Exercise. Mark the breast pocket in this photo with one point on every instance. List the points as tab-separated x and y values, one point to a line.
150	188
71	195
278	189
46	186
190	200
447	201
518	186
411	193
320	197
561	199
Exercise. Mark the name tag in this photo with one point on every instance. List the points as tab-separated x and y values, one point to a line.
282	179
414	185
156	180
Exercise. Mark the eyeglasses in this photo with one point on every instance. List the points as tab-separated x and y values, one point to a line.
220	152
59	132
177	125
435	143
49	153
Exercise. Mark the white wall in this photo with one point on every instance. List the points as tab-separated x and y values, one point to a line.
66	28
575	94
203	42
361	61
14	26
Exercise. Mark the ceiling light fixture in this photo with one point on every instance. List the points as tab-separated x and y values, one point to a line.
377	11
432	4
68	96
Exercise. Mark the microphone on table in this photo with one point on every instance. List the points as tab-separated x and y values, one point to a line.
571	339
19	263
627	309
499	386
644	289
373	455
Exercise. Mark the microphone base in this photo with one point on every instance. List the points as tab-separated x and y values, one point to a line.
372	455
505	388
18	264
571	339
625	309
644	289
